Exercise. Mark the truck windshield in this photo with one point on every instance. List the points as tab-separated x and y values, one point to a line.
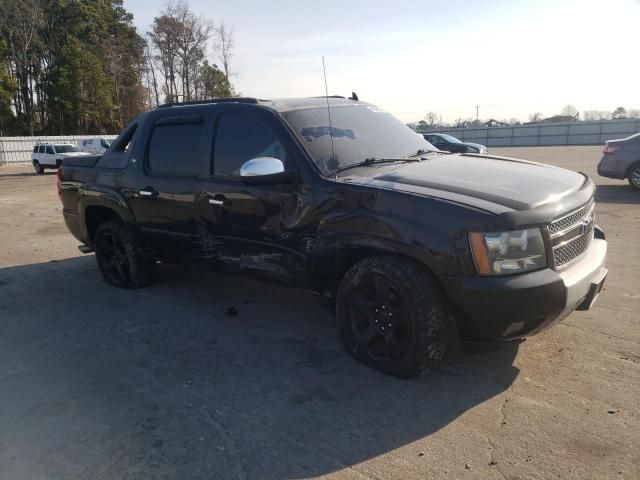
65	148
359	132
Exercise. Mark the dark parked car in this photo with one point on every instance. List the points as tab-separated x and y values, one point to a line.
451	144
621	160
404	241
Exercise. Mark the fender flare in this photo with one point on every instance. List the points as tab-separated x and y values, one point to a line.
91	195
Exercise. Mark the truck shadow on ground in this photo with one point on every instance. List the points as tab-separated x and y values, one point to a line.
201	376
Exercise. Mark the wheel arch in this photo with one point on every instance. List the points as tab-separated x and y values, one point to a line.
99	205
336	262
627	173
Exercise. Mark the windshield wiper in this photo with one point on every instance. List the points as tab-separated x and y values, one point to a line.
376	160
420	152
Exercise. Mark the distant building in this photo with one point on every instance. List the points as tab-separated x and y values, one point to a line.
556	119
495	123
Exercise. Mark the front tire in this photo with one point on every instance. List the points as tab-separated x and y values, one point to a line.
392	316
121	261
38	168
634	176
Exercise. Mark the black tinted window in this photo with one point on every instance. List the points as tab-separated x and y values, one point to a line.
41	149
241	137
49	150
35	149
175	148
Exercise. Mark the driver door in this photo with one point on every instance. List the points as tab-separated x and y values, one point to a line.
248	227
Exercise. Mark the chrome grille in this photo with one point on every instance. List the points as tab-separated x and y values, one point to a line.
571	235
572	219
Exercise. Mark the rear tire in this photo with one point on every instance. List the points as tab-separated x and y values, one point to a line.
38	168
122	262
393	316
634	176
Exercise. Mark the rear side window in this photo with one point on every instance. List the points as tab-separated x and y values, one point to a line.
41	150
35	149
176	148
49	150
242	137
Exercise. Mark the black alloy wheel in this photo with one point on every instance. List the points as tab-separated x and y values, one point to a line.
393	316
121	259
379	318
112	259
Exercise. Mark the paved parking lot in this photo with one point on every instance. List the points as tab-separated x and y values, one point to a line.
101	383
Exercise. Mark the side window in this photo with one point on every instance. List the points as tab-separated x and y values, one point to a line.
175	148
35	149
124	140
41	150
49	150
241	137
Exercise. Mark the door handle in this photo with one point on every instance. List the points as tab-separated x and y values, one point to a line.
218	200
148	192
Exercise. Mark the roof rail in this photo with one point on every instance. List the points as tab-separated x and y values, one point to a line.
329	96
213	100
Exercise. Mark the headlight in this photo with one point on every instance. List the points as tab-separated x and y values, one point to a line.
507	253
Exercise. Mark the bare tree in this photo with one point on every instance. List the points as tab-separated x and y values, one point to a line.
596	115
535	117
431	119
223	46
569	110
193	33
20	21
150	74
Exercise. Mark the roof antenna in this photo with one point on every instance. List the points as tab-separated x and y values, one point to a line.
326	91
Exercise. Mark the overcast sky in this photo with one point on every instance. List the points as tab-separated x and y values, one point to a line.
409	57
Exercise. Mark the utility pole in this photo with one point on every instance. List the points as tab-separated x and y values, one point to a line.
477	110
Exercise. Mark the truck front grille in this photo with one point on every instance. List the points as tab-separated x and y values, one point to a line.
571	235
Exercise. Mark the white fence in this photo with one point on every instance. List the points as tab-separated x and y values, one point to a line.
18	149
545	134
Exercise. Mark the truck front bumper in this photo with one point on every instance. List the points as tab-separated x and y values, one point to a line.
509	308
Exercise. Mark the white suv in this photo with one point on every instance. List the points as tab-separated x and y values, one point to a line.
49	155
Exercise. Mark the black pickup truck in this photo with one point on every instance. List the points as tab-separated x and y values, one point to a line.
334	195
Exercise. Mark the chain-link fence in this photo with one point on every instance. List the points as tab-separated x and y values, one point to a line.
18	149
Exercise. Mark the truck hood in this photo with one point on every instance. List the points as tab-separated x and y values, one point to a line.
483	181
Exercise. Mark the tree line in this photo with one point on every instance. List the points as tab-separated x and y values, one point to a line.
82	67
433	120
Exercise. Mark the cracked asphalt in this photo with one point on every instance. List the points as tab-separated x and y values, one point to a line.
101	383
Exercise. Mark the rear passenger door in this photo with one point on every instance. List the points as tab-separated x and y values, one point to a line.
165	203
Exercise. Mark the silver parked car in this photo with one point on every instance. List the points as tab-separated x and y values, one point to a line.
621	160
